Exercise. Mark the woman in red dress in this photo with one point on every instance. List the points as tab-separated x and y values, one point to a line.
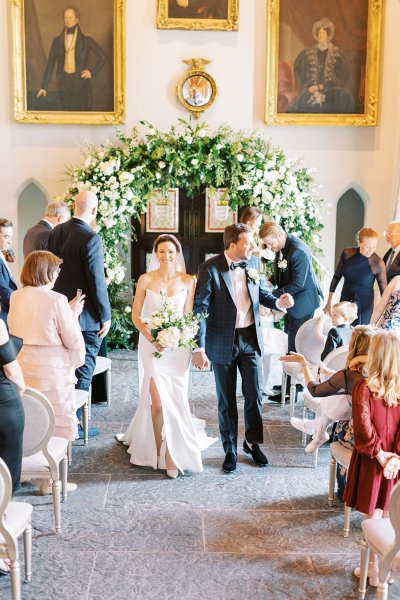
374	464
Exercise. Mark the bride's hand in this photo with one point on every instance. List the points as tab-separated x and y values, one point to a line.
158	347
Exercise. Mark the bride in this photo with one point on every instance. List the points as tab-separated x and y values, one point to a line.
162	433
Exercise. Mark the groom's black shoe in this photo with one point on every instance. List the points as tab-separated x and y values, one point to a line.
229	463
256	453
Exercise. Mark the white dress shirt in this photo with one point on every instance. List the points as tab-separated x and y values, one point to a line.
245	316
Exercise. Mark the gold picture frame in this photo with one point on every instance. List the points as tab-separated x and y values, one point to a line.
348	92
203	15
98	38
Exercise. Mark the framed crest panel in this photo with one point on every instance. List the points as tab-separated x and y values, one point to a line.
198	14
323	62
163	213
69	61
218	212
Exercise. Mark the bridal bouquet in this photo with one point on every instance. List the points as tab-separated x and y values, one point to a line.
171	329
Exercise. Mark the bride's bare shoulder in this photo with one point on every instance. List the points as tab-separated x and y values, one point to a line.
187	280
145	279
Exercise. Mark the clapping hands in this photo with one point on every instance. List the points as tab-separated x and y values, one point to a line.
286	301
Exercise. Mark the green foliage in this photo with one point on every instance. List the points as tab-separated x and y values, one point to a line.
122	328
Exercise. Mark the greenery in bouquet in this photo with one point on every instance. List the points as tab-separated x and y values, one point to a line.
171	329
191	157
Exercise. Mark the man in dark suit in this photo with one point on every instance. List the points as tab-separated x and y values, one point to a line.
7	283
37	236
294	274
230	290
72	54
392	256
81	250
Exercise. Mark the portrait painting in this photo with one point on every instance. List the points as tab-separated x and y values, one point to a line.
198	14
69	61
323	62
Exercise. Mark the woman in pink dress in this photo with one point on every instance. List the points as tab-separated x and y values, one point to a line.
53	344
375	463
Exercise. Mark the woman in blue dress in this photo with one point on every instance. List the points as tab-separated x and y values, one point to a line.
360	267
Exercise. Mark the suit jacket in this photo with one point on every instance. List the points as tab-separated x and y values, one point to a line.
85	46
81	250
297	278
394	268
215	297
7	287
36	237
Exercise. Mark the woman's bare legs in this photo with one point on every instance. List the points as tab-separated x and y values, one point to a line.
158	422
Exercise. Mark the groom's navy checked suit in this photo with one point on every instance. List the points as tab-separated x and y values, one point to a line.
229	348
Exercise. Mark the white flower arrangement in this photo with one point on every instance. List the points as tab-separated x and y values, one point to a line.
282	264
253	276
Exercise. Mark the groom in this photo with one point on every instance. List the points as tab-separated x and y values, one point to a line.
229	290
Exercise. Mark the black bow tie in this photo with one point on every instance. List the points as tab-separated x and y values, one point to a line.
242	264
71	29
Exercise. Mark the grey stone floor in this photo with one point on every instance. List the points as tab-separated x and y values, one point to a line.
131	533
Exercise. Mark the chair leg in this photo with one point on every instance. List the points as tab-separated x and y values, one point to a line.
69	453
315	458
15	580
28	552
292	398
56	505
284	385
108	386
332	473
85	422
303	434
364	559
382	591
89	403
346	524
64	477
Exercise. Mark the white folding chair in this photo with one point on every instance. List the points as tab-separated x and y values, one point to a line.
336	360
15	520
42	454
309	343
103	364
382	536
342	456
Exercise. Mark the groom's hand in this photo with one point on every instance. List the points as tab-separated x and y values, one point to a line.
285	301
200	360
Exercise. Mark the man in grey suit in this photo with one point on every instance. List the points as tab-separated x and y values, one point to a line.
392	256
37	236
230	290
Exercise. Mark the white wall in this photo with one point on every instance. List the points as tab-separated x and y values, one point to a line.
344	156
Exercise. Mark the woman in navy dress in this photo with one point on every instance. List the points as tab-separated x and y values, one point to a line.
360	267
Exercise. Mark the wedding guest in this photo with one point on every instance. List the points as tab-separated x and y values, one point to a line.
341	383
81	251
343	315
386	314
11	411
37	236
293	274
7	282
252	216
376	420
392	256
360	267
53	344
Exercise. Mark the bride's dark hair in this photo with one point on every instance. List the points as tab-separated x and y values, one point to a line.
166	237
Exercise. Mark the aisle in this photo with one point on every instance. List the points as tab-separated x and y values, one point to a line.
132	534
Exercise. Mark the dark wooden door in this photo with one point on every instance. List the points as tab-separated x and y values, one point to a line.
197	244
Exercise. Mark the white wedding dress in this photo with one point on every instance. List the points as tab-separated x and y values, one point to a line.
182	433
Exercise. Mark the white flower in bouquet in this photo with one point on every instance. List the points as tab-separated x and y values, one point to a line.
253	275
187	334
125	177
170	337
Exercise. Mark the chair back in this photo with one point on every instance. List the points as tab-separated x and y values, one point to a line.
336	360
394	513
39	422
5	490
309	342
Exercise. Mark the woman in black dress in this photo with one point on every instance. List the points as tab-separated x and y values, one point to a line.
359	267
12	418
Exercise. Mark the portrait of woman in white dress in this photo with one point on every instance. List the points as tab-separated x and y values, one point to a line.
163	434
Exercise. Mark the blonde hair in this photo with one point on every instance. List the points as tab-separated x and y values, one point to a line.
366	232
347	310
383	367
270	228
359	346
